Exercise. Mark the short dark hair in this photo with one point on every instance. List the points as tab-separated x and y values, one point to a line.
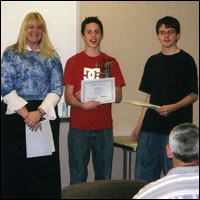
89	20
169	22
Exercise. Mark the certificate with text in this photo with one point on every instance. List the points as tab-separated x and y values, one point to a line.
101	90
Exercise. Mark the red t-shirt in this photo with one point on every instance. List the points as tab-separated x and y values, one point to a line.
80	67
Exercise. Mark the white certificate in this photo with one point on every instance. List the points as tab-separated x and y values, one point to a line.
101	90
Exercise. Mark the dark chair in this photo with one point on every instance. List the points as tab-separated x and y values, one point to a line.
104	189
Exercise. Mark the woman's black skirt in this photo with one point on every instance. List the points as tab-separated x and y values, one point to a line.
27	178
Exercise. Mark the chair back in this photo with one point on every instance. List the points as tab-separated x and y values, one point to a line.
103	189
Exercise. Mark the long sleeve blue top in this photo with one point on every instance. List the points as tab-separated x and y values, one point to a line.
33	77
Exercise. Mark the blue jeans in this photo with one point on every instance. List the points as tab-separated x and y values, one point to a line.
80	144
151	156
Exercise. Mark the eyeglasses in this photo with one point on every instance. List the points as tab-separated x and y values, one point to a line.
170	32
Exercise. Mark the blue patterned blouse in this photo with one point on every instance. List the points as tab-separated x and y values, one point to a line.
33	77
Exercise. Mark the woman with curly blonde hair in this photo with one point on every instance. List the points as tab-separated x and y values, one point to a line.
31	87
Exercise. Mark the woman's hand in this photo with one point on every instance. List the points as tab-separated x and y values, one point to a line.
36	126
33	120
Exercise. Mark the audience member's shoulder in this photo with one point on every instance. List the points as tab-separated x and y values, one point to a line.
147	190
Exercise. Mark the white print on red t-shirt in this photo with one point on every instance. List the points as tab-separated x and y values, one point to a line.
91	74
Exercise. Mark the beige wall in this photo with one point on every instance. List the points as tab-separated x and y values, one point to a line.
129	36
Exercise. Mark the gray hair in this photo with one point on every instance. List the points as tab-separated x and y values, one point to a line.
184	142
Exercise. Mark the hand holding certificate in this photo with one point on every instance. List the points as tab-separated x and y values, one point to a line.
101	90
137	103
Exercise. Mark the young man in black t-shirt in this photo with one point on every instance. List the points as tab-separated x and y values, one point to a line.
170	81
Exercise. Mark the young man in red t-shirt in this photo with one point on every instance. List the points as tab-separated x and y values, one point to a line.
91	122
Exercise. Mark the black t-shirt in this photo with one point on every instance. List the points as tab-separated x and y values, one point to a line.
168	79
